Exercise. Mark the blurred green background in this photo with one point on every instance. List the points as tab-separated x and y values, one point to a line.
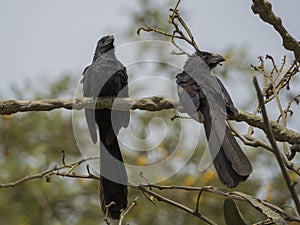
32	142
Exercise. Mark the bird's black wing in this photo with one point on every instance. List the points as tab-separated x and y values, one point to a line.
89	113
189	95
106	76
121	118
231	110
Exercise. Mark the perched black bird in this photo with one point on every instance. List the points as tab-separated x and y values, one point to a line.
206	100
106	76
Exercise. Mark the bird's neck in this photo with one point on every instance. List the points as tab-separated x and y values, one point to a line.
109	53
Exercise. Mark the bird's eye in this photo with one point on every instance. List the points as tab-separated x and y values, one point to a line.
205	57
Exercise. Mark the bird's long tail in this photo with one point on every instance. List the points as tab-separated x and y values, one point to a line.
231	164
113	173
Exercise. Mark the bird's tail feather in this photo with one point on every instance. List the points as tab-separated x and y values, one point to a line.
113	174
231	164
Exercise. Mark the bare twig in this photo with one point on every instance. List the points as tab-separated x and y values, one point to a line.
27	178
275	91
180	117
106	220
273	84
217	191
280	133
288	108
198	201
148	28
174	17
181	31
61	171
281	80
276	151
175	204
57	171
106	211
250	128
254	142
249	140
285	79
64	158
123	214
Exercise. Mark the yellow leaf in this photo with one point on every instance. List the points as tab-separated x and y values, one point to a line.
189	180
142	160
209	176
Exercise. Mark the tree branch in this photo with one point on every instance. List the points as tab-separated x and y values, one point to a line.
124	213
181	31
175	204
264	9
66	170
276	151
154	103
254	142
256	203
280	133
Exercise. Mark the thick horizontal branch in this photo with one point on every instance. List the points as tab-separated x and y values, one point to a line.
264	9
280	133
154	103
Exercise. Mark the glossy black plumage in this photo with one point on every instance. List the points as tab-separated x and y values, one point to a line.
106	76
206	100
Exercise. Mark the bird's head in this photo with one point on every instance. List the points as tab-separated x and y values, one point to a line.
105	44
211	59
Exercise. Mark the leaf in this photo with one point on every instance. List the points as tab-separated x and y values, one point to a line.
232	213
267	211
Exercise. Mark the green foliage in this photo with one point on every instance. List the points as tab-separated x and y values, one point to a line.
30	143
232	213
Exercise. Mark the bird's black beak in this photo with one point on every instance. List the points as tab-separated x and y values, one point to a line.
217	59
111	38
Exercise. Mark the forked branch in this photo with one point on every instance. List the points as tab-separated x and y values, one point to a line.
180	31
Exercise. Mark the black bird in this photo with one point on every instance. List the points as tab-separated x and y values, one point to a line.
106	76
206	100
